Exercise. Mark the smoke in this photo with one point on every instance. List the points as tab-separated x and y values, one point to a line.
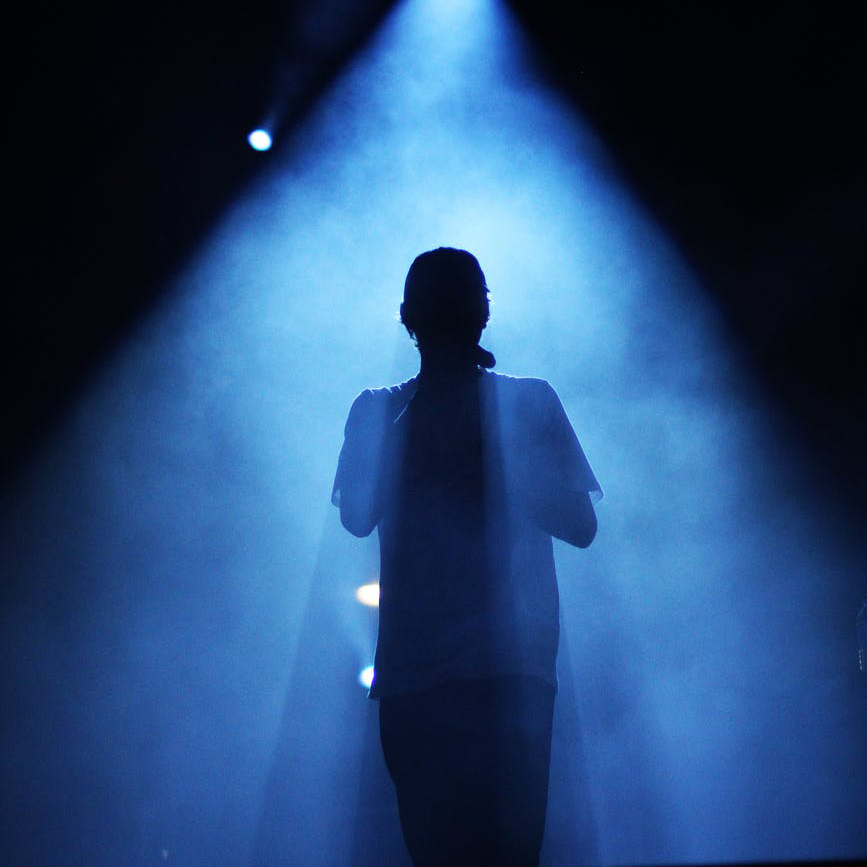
176	552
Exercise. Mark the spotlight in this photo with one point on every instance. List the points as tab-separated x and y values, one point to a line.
368	594
365	678
259	139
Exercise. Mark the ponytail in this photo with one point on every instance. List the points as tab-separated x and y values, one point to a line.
484	358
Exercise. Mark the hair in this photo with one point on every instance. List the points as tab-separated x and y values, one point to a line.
445	300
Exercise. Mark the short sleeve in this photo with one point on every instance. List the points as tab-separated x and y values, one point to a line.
357	434
563	449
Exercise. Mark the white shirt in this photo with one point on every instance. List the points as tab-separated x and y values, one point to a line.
460	484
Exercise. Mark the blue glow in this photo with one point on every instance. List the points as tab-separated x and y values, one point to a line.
365	678
199	463
260	140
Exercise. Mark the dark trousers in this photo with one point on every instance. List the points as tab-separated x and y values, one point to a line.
470	763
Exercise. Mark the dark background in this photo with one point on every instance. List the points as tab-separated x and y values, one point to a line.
741	127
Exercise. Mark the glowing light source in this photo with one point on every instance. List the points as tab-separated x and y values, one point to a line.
259	139
365	678
368	594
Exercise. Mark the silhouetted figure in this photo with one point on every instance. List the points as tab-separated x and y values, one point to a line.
467	474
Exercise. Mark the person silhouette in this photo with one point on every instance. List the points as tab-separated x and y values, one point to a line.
467	475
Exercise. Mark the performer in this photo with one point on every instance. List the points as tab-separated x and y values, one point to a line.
467	475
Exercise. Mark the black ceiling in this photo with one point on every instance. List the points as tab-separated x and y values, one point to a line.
742	127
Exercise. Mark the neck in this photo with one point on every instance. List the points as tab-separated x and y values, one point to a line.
448	363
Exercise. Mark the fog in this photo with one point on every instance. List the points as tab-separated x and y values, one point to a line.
182	638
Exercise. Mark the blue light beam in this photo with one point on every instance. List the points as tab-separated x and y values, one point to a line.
191	484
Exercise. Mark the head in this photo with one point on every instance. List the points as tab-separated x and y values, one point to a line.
445	301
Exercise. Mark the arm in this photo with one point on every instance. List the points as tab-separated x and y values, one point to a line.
566	514
358	486
560	479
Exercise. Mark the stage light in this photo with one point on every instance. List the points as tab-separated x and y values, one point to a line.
211	441
259	140
368	594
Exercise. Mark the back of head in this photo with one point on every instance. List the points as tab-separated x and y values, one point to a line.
445	301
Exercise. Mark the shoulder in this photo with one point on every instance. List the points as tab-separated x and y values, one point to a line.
526	389
375	402
528	405
387	394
